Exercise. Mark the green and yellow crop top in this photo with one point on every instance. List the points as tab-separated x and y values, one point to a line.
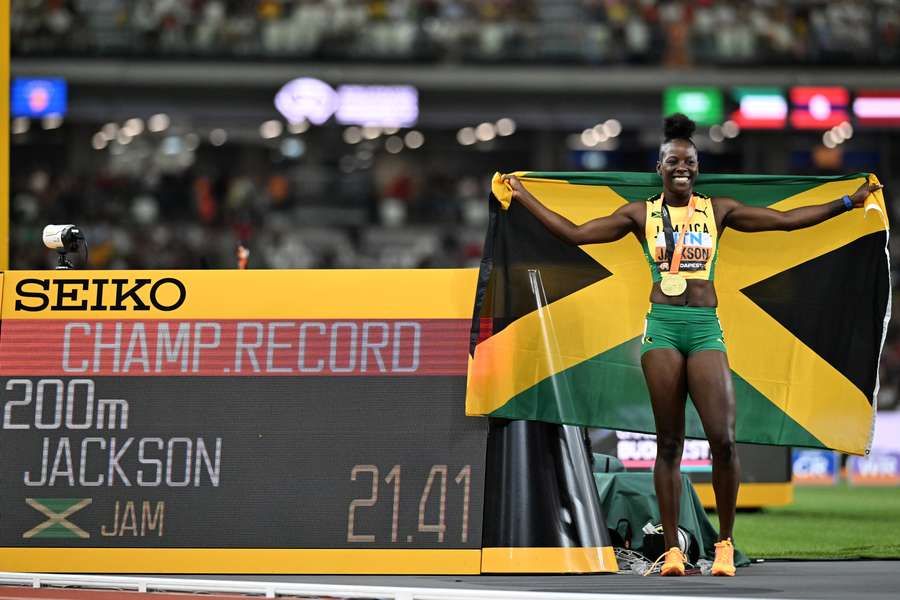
698	260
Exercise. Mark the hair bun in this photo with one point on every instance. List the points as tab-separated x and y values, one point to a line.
678	126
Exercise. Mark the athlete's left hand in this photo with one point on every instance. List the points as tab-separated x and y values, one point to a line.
865	190
513	183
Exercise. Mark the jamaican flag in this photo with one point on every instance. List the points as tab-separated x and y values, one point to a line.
557	329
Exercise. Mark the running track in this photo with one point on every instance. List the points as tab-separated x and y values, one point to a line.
863	580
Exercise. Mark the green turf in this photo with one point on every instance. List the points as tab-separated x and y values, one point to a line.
825	522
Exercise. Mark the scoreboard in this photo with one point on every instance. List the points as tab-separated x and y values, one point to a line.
239	421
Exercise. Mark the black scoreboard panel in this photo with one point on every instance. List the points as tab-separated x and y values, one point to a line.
274	462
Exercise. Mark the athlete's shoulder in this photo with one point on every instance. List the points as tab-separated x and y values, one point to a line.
723	201
648	204
636	212
634	208
722	206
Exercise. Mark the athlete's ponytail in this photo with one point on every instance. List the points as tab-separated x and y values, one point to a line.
676	126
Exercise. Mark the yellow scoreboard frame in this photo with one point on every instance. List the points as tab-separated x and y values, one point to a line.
4	134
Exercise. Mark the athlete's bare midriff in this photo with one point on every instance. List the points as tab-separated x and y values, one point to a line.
699	292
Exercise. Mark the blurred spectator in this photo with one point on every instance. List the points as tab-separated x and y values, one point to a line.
675	18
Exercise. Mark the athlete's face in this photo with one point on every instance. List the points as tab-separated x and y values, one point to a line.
678	166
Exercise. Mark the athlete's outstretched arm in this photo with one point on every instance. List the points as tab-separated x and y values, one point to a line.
605	229
753	218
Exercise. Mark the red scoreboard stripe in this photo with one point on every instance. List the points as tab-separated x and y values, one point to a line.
361	348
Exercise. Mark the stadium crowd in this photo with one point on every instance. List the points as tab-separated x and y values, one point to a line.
196	220
675	33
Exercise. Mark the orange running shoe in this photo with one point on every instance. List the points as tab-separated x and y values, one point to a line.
673	566
724	563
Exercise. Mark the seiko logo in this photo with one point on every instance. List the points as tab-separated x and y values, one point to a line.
35	295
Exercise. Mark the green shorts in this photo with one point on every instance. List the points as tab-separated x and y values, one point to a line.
687	329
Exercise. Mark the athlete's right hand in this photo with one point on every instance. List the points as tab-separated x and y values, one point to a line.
865	190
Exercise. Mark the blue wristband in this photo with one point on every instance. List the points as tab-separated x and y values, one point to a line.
848	203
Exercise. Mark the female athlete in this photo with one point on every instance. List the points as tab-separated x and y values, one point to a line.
683	349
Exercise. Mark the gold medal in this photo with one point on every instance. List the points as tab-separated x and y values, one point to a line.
672	284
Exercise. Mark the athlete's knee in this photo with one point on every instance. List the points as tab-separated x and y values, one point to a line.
669	447
723	449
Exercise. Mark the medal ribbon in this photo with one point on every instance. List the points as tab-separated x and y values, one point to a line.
676	250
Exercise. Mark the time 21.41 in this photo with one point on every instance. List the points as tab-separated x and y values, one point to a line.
433	489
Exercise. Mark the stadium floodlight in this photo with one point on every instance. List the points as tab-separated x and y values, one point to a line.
352	135
218	136
133	126
505	127
99	141
466	136
157	123
612	127
271	129
297	127
485	132
52	121
20	125
414	139
393	144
